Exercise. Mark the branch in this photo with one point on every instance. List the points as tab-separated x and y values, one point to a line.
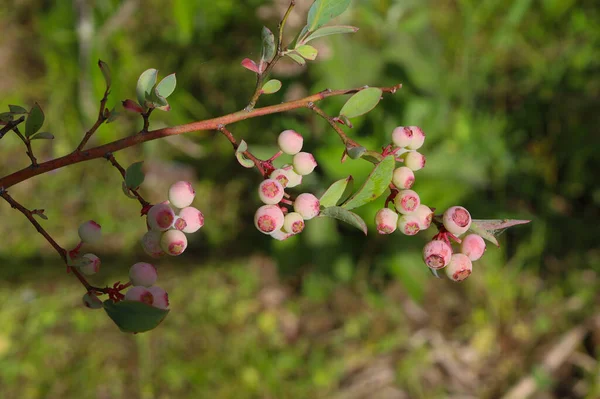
111	158
11	125
27	143
141	137
99	121
257	162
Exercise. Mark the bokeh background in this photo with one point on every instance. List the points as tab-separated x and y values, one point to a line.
507	92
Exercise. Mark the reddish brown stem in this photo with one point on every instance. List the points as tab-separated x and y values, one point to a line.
111	158
99	121
257	162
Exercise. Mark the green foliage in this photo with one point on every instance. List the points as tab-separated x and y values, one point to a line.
361	102
330	30
323	11
134	175
145	84
166	86
375	185
272	86
134	317
339	213
34	121
268	45
337	192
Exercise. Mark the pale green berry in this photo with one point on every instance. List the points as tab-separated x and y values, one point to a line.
414	160
459	268
151	243
268	219
160	297
418	138
90	232
457	220
406	201
408	224
403	178
194	219
290	142
139	294
92	267
437	254
293	223
143	274
173	242
424	214
181	194
307	205
304	163
473	246
270	191
401	136
91	301
386	221
161	217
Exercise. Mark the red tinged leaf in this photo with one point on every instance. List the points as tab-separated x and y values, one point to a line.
132	106
251	65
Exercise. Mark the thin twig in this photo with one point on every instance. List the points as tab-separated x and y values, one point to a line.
27	143
257	162
348	142
111	158
11	125
99	121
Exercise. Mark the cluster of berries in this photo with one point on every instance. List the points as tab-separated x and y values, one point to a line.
274	218
166	228
89	232
410	215
438	253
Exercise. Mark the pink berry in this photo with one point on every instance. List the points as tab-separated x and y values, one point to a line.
194	219
437	254
91	301
161	217
459	268
143	274
418	138
270	191
290	142
407	201
424	214
401	136
173	242
386	221
268	219
414	160
181	194
139	294
179	223
281	235
286	176
293	223
160	297
403	177
457	220
307	205
408	224
151	244
473	246
90	232
91	268
304	163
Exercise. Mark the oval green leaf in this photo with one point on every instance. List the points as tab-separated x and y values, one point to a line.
126	191
35	120
307	51
356	152
272	86
297	58
166	87
268	45
42	136
239	154
330	30
323	11
134	317
345	215
145	83
17	109
134	176
375	185
362	102
337	192
7	116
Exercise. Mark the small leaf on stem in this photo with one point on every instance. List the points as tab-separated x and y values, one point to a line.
166	86
132	106
272	86
361	103
134	317
145	84
490	229
356	152
250	65
17	109
34	121
296	58
378	181
134	176
307	51
323	11
345	215
330	30
106	72
7	116
268	46
337	192
239	154
42	136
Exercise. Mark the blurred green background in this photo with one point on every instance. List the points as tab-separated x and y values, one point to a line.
508	94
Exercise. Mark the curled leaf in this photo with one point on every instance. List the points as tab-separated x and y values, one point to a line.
250	65
296	58
490	229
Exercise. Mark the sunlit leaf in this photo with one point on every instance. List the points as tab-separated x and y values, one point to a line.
337	192
323	11
330	30
375	185
307	51
166	86
296	58
345	215
362	102
145	84
132	316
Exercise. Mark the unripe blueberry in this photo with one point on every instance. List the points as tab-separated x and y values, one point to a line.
386	221
403	177
424	214
90	232
414	160
408	224
406	201
459	268
139	294
91	301
143	274
194	219
160	297
290	142
418	138
437	254
457	220
91	268
286	176
173	242
401	136
268	219
307	205
181	194
304	163
270	191
179	223
161	217
473	246
293	223
151	244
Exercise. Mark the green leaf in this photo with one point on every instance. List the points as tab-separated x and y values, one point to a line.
105	72
7	116
345	215
356	152
42	136
296	58
268	45
307	51
362	102
375	185
126	191
156	100
34	121
490	229
134	176
17	109
133	316
145	83
272	86
166	86
239	154
336	192
331	30
323	11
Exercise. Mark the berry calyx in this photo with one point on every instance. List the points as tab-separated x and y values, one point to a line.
307	205
179	223
407	201
304	163
414	160
139	294
181	194
418	138
143	274
90	232
293	223
403	177
459	268
173	242
91	268
437	254
457	220
270	191
194	219
160	297
90	300
473	245
408	224
161	217
401	136
268	219
290	142
151	244
386	221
